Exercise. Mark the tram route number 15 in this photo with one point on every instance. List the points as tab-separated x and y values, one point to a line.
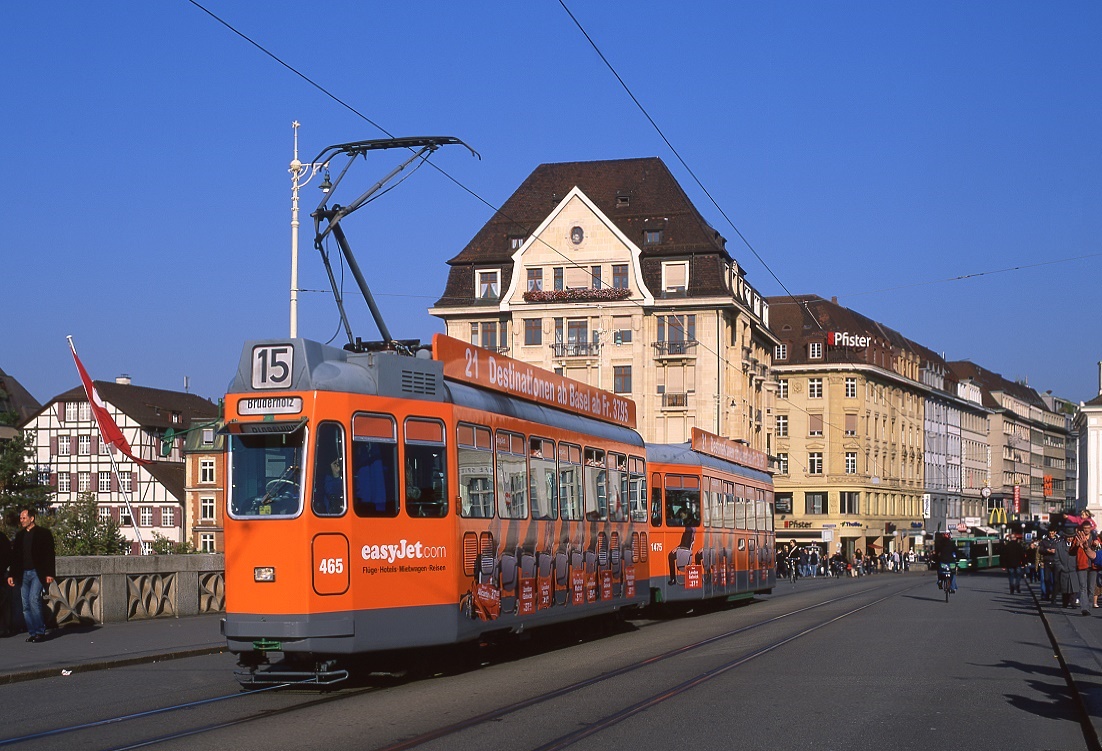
273	365
331	566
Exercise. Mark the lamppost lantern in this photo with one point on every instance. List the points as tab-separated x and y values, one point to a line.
301	174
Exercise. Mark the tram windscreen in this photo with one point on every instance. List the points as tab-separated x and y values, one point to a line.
265	474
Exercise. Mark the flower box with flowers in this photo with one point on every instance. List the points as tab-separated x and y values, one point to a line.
605	294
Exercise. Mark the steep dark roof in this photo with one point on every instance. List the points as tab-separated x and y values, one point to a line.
15	398
805	318
635	194
169	474
149	407
991	382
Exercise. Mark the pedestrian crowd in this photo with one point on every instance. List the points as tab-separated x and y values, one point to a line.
812	561
27	569
1065	563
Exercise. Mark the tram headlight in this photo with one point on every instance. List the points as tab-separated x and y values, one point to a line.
264	574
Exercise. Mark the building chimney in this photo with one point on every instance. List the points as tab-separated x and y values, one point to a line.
123	380
834	299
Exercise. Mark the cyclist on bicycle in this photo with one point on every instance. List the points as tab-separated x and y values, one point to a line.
946	555
794	572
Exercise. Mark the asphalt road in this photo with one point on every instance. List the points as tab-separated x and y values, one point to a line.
875	663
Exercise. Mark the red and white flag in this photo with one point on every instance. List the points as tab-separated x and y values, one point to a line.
108	430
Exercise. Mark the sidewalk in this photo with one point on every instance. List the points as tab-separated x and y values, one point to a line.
1080	642
83	648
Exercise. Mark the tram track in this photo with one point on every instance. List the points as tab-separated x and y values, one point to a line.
268	713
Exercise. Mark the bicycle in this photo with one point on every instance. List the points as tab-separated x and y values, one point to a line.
945	575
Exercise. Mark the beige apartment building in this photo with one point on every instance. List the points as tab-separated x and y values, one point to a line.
1028	443
849	425
606	273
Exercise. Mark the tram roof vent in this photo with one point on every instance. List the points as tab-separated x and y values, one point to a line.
410	377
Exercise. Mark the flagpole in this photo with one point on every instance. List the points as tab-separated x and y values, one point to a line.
89	390
126	499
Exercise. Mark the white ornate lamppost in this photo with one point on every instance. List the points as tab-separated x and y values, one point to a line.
301	174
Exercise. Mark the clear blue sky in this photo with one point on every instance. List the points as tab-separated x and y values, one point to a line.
866	150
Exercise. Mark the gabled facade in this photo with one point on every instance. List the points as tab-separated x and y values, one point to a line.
606	273
70	453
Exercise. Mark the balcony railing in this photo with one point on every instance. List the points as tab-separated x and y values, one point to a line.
675	349
578	349
675	400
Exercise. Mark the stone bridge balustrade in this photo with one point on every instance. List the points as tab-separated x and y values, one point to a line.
104	589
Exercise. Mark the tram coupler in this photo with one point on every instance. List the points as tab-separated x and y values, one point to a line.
266	675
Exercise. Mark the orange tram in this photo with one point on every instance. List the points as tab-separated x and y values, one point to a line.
381	502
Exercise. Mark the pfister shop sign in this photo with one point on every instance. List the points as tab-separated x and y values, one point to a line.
847	340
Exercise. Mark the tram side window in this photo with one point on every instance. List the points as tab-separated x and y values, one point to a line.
512	476
329	475
740	507
682	501
476	471
656	500
544	479
637	489
374	465
617	487
570	482
728	505
769	510
596	485
266	474
759	510
426	468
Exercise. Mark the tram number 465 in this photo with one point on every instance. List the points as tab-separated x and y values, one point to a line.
331	566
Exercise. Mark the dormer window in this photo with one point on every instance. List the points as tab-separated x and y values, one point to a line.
489	286
623	200
675	278
516	241
652	237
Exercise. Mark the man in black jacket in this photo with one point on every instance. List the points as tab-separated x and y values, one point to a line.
32	569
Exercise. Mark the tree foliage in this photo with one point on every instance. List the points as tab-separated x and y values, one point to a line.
162	545
19	485
79	530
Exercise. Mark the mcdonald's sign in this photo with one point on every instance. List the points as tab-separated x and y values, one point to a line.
996	516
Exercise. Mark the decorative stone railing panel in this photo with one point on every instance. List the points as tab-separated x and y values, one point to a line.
75	600
212	592
150	596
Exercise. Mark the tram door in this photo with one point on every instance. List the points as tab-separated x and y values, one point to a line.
329	548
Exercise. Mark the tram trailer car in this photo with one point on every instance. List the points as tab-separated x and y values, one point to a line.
711	517
385	502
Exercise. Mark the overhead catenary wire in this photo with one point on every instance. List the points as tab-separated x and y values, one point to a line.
497	210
